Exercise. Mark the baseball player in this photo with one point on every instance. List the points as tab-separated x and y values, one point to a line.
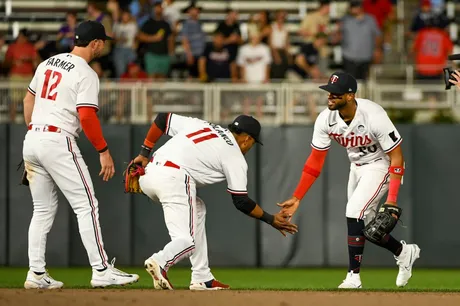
377	165
62	99
198	154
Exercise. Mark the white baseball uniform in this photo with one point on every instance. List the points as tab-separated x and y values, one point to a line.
61	84
368	139
198	154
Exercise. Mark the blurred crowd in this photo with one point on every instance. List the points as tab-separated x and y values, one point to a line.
145	33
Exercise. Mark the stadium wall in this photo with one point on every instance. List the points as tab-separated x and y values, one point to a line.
133	226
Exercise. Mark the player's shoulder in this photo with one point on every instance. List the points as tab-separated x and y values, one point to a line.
370	107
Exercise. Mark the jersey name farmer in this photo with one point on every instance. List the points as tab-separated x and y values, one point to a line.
61	84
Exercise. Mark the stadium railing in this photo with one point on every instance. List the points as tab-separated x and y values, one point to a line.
273	104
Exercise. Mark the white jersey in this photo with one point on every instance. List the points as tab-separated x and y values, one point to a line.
208	152
370	135
60	85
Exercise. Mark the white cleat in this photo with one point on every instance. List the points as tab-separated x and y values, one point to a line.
352	281
159	275
43	281
112	277
405	261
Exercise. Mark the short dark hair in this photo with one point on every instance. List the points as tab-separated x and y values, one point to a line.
81	43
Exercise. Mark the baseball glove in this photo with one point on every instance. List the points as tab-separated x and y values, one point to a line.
132	174
383	223
24	181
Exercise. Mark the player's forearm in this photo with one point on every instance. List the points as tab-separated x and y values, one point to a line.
29	102
249	207
157	129
92	128
396	171
310	172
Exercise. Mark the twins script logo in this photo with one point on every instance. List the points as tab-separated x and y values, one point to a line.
352	140
334	78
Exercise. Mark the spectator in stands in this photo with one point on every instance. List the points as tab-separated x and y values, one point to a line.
264	26
141	10
426	13
94	10
307	61
317	22
280	45
254	59
230	28
133	74
383	12
430	49
22	59
361	41
66	34
113	7
193	39
156	34
217	62
124	33
171	14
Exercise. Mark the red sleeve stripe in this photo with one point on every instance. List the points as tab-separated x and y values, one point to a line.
320	149
87	105
393	146
168	123
236	191
31	90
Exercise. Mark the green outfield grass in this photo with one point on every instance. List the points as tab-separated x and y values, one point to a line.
262	279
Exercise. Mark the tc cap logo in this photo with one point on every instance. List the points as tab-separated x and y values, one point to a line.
334	78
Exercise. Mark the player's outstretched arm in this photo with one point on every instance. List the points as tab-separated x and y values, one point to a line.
396	173
279	221
310	173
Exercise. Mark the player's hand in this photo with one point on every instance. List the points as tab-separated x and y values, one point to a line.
289	206
107	167
141	160
456	75
394	204
281	223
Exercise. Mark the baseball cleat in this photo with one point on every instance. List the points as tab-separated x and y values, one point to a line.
43	281
352	281
159	275
213	284
405	261
112	277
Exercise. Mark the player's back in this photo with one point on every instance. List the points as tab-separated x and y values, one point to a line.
60	85
200	148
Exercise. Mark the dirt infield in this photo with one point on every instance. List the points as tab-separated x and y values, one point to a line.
71	297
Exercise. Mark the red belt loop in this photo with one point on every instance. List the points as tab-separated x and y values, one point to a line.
46	128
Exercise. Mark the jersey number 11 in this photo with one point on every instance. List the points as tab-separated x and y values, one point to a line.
47	90
201	138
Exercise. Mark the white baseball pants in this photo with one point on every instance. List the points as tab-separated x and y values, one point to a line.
54	159
367	185
185	216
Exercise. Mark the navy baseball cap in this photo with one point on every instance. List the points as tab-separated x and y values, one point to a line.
248	125
90	30
341	83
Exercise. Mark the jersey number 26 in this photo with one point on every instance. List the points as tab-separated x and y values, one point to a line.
49	92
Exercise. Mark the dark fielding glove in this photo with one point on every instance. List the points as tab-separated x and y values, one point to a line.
132	174
24	181
383	223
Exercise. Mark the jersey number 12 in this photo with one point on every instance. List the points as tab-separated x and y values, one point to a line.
201	138
49	92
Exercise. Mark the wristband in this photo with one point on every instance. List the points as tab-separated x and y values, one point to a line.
145	151
396	170
267	218
103	150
